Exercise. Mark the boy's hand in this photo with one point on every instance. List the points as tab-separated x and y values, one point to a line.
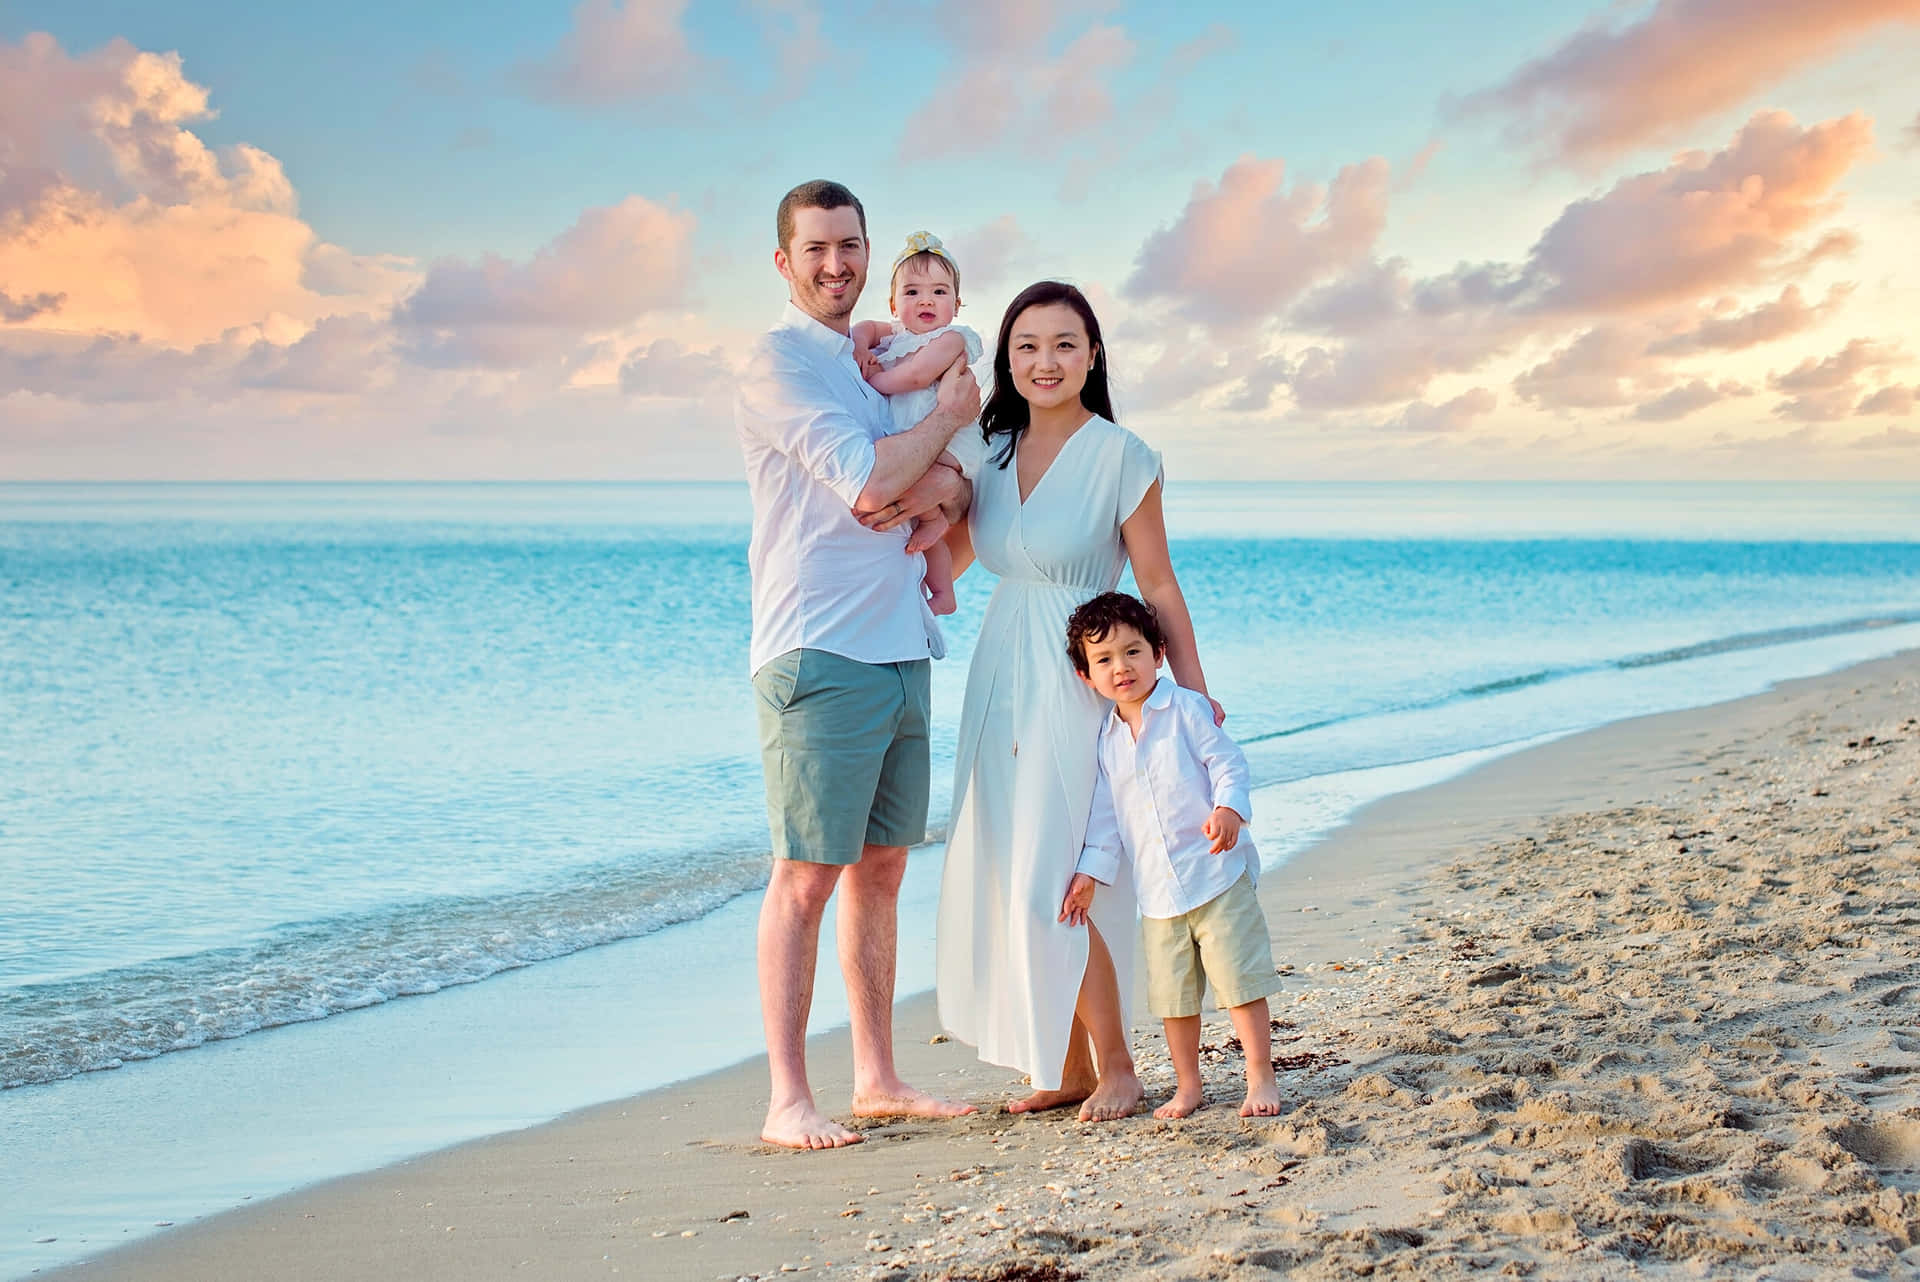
1073	909
1223	826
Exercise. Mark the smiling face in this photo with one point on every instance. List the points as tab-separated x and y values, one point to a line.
825	263
1049	355
924	297
1122	665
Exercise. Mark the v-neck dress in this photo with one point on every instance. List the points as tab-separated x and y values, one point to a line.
1007	971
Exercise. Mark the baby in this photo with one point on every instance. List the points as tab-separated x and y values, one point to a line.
1170	798
905	360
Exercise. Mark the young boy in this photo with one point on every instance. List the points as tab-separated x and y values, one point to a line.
1171	797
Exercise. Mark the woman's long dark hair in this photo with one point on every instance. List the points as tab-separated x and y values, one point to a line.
1006	412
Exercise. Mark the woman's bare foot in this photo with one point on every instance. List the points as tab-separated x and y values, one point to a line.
1117	1095
1185	1100
1040	1101
1263	1099
907	1102
802	1125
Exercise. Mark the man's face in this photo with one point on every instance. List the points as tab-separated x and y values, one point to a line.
825	264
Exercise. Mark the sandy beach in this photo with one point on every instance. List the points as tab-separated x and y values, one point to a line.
1640	1002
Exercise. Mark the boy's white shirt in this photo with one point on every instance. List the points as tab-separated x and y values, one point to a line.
1152	795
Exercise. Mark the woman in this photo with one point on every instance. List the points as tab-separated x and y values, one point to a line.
1064	499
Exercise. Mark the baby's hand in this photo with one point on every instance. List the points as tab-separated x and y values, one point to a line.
869	364
1073	909
1223	826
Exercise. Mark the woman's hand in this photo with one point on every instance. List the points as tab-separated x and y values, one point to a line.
1079	900
1219	713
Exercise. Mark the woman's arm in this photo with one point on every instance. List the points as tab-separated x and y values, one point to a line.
1145	536
923	368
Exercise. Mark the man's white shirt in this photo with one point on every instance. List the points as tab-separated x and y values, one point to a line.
807	422
1155	792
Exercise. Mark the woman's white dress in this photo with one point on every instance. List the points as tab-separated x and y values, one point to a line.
1007	972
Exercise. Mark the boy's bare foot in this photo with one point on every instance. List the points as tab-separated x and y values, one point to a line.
907	1102
1263	1100
803	1125
1118	1094
1185	1100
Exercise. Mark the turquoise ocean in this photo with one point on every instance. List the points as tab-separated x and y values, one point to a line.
341	822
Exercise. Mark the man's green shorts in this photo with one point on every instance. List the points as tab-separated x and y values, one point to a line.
844	746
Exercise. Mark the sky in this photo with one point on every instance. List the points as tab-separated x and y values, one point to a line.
1497	240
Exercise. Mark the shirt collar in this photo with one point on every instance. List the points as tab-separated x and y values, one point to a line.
1157	700
829	342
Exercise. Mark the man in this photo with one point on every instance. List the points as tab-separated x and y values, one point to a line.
840	655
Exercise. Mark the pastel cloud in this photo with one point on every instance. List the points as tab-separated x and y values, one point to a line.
1451	416
1892	399
1608	89
169	240
1821	390
613	265
1705	223
986	253
665	368
1003	73
616	51
1685	399
1244	249
1732	331
1603	367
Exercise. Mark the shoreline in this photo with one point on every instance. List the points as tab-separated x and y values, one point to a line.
673	1183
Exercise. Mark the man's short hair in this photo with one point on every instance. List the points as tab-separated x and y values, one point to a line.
1100	616
818	194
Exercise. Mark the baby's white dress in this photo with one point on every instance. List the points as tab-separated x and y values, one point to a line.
908	408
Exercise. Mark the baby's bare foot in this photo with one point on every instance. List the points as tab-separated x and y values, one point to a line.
1185	1100
942	601
1117	1095
1263	1100
802	1125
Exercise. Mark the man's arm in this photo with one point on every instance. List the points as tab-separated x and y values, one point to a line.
899	461
787	406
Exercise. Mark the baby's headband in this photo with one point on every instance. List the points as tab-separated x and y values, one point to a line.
924	242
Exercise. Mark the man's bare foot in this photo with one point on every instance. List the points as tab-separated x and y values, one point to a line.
1263	1100
907	1102
1117	1096
1185	1100
802	1125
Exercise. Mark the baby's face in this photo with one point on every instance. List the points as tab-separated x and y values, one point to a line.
924	298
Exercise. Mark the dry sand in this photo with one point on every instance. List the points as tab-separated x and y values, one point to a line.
1644	1002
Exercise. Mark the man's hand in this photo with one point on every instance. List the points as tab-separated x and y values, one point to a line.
1079	900
1223	826
958	394
941	492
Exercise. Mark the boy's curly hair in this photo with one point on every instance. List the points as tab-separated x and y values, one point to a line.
1096	618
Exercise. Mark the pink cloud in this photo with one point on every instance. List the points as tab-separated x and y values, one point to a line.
1704	223
14	310
112	205
1243	250
613	265
1892	399
1822	390
986	253
616	51
665	368
1608	88
1679	402
1005	72
1603	367
1787	315
1452	416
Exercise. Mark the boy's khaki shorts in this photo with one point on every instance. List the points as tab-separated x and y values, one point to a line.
844	747
1223	942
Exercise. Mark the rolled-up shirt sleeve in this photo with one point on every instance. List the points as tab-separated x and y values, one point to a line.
1101	853
1226	765
786	405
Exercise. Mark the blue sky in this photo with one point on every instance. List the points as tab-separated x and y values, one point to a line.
440	162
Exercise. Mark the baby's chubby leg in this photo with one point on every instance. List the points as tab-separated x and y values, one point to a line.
939	580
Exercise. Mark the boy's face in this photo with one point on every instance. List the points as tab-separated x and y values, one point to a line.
923	299
1121	666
